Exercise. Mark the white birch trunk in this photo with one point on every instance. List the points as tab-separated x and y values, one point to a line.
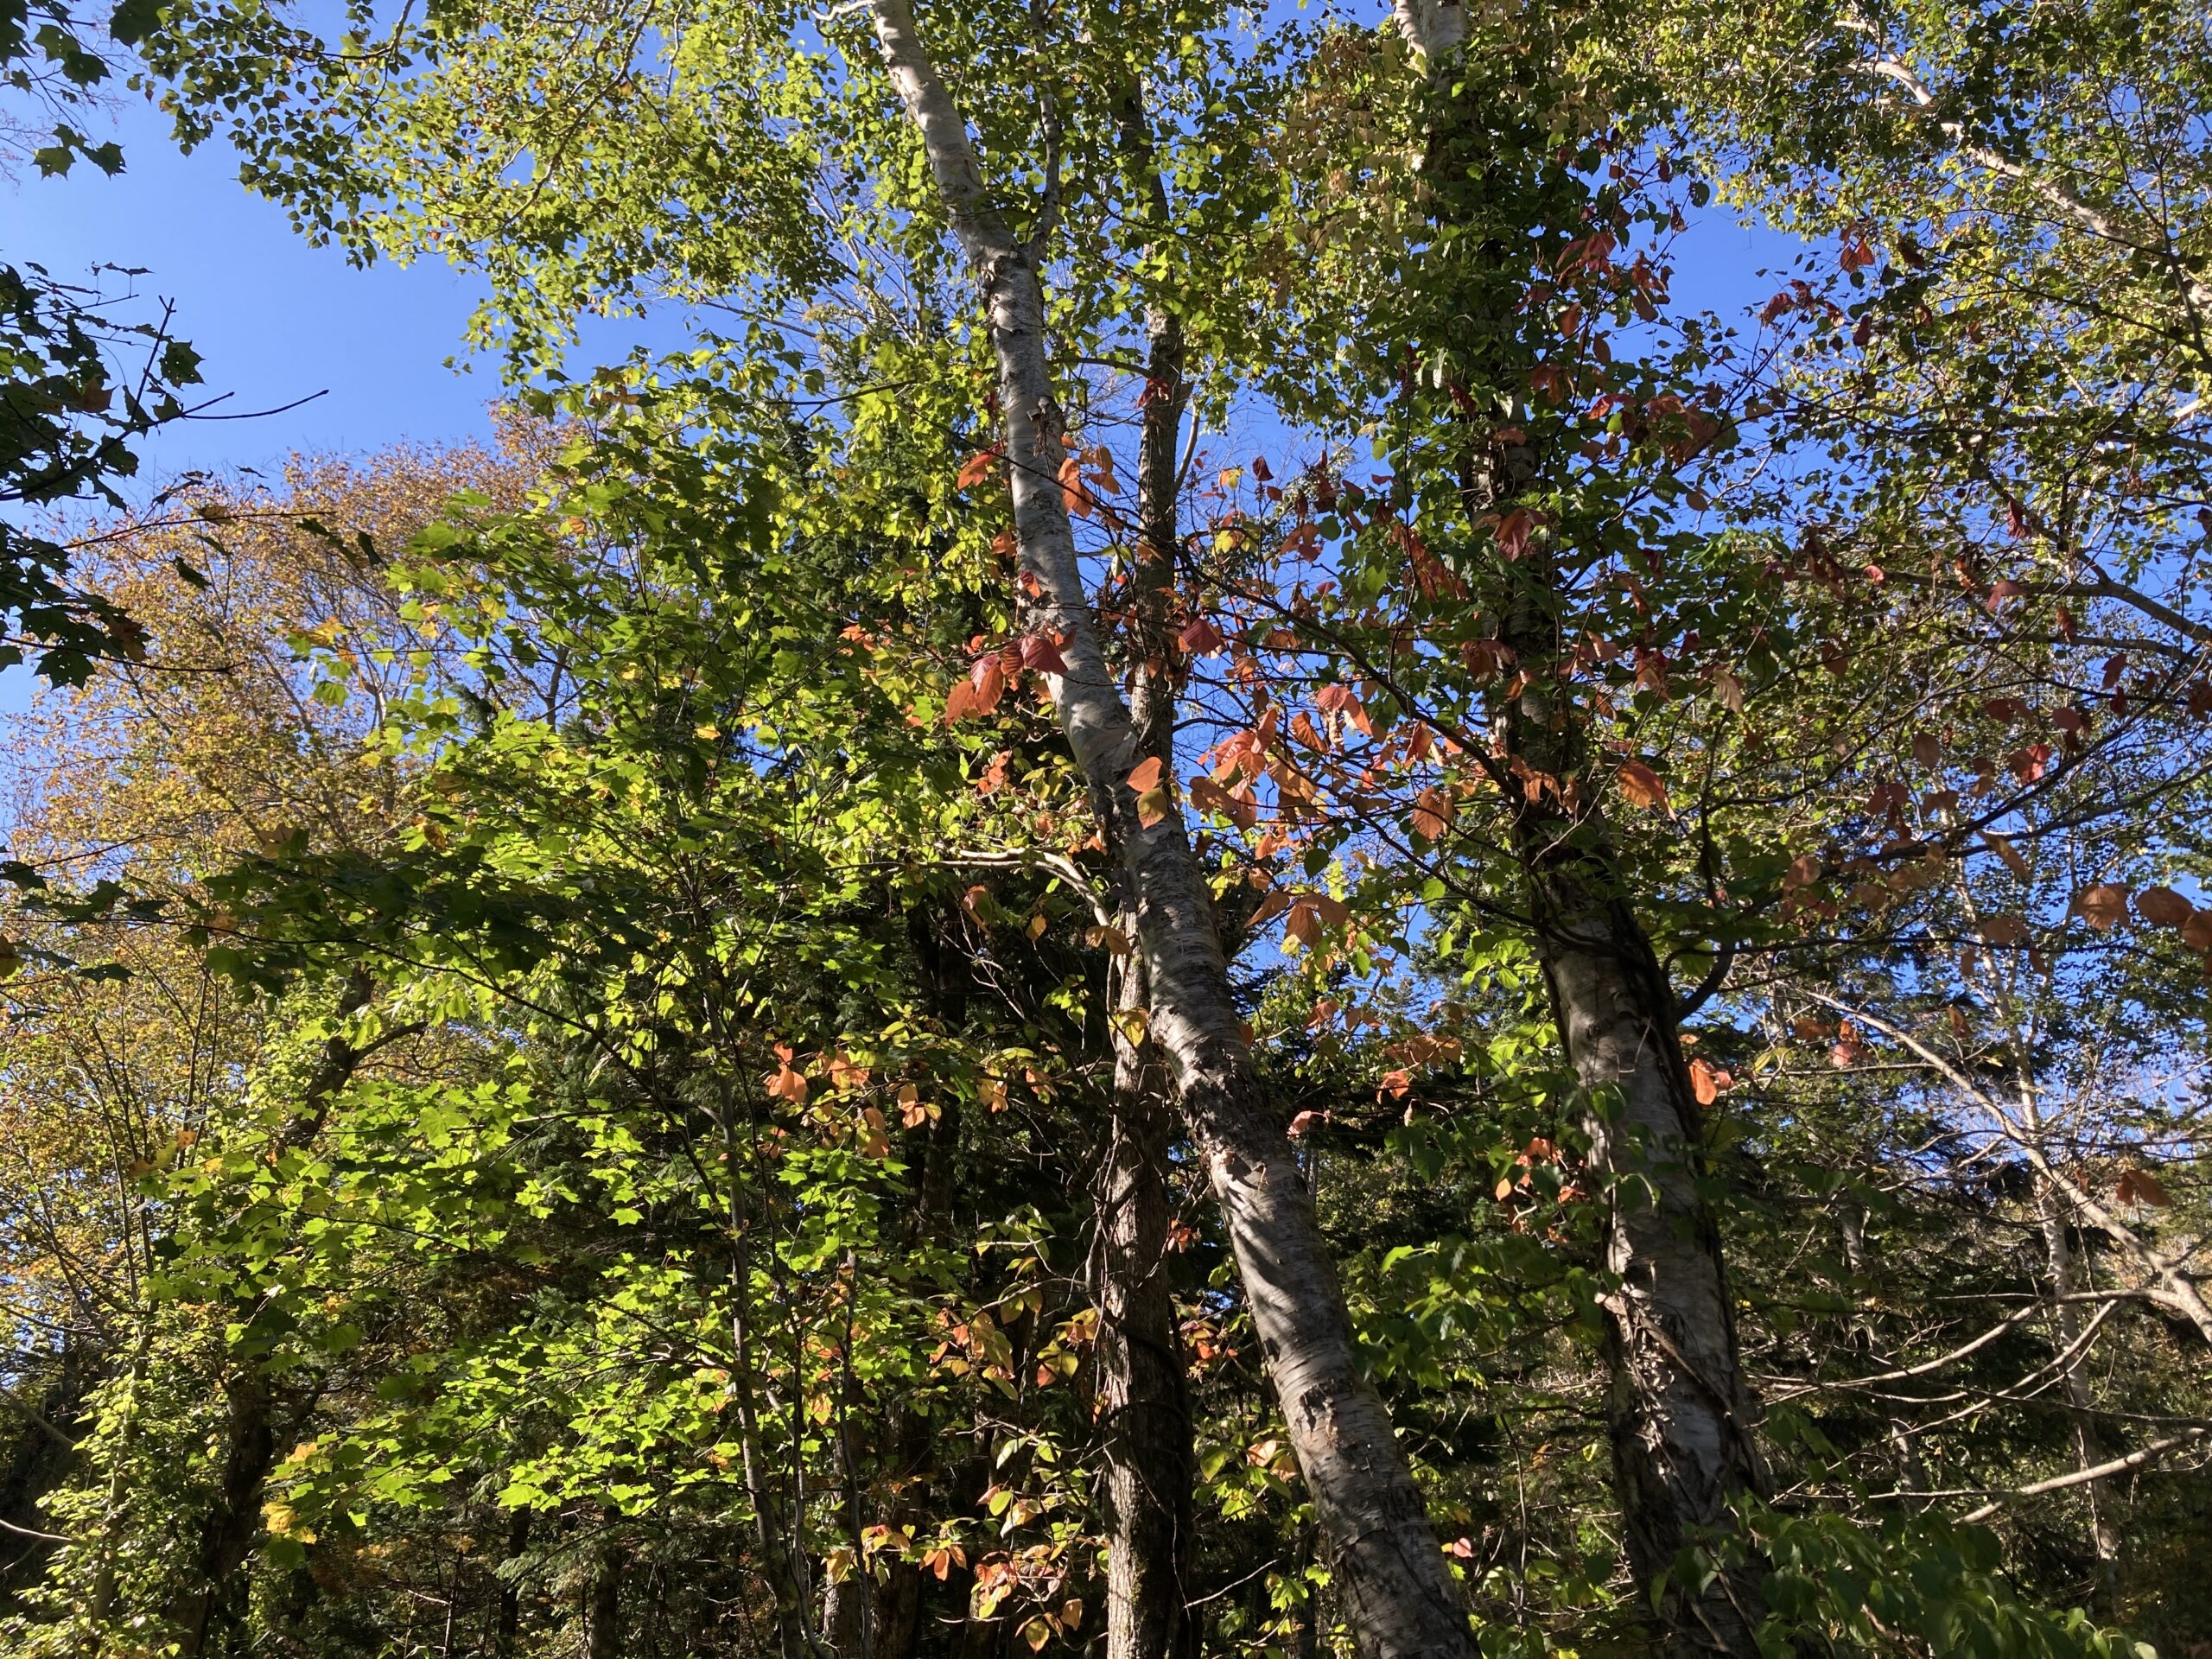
1400	1598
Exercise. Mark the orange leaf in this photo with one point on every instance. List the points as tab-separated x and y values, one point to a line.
1642	786
1075	493
786	1083
1210	797
1146	776
976	469
1705	1083
1433	812
990	684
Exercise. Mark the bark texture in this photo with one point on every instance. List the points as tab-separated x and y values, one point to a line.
1398	1597
1143	1388
1144	1406
1679	1417
208	1599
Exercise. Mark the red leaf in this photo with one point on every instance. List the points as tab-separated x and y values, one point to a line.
976	469
1200	638
1041	652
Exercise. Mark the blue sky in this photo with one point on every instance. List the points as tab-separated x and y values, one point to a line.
277	321
274	319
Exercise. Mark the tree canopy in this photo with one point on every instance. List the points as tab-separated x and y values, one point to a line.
1214	889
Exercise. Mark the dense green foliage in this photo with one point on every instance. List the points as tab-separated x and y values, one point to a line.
572	1006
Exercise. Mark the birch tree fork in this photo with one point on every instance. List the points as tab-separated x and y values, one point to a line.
1398	1595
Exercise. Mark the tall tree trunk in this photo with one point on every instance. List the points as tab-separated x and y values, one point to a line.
2061	1263
233	1520
1678	1416
39	1456
782	1568
1143	1386
508	1629
1143	1391
605	1618
1401	1600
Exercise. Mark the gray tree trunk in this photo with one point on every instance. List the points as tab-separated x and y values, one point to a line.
1400	1598
1680	1418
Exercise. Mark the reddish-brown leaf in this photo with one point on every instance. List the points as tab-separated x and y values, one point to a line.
1433	811
1041	653
2141	1187
2103	906
2163	908
1200	638
1642	786
1706	1082
2007	854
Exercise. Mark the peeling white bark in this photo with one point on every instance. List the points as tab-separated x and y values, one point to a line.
1397	1594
